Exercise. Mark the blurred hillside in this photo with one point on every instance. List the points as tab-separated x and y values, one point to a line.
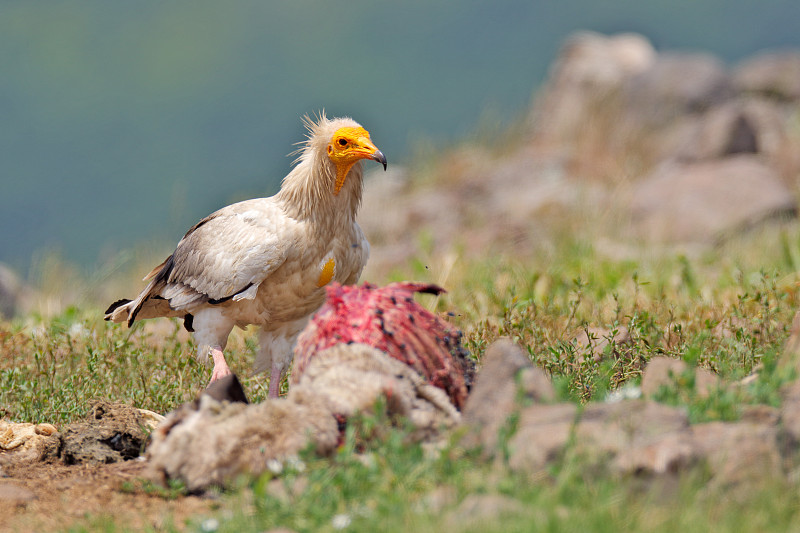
123	124
627	150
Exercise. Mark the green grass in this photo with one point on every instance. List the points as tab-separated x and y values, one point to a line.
728	309
394	486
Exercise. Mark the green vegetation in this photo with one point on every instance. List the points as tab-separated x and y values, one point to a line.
728	310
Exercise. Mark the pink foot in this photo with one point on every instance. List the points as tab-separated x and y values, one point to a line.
221	368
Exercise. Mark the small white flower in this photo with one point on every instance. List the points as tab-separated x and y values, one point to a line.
295	463
628	392
210	524
78	330
275	466
341	521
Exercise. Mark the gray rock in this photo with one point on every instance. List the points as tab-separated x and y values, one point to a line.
599	434
706	201
790	417
740	126
661	371
666	371
15	296
738	453
611	428
505	380
670	455
589	69
774	74
676	84
542	434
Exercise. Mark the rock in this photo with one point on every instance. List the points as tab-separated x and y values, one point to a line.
599	434
703	202
670	455
15	494
790	358
506	378
739	126
739	453
760	414
612	428
705	381
661	371
541	435
676	84
589	68
774	74
666	371
111	433
790	418
26	442
15	296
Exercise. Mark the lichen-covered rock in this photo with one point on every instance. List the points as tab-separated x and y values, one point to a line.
507	378
25	442
706	201
774	74
112	432
666	371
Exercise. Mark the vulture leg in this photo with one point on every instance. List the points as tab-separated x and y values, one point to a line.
275	381
211	330
275	352
221	368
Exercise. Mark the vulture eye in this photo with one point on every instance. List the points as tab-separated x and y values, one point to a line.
342	142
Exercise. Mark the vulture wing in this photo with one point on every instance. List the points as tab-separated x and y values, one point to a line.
224	256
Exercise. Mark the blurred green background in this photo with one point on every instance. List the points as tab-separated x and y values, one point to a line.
125	122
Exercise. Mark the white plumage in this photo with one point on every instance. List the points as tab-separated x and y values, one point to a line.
266	261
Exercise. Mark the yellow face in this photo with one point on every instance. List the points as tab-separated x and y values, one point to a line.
346	147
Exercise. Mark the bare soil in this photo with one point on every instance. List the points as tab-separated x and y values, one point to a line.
78	477
55	497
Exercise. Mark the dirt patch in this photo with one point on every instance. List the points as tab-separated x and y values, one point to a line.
85	472
53	497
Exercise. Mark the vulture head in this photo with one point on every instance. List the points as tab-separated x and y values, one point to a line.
343	141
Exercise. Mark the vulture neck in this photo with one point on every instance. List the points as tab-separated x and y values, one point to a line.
307	191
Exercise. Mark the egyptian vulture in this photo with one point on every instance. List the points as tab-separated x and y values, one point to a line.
267	261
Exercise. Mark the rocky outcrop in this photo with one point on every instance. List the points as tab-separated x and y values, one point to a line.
706	201
110	433
15	295
634	437
615	126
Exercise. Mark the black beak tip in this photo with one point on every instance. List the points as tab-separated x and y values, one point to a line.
380	158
